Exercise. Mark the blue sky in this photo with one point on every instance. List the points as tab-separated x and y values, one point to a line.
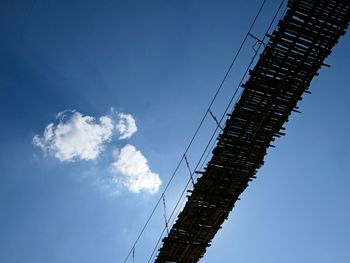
158	62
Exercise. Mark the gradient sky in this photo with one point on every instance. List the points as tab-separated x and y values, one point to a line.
161	62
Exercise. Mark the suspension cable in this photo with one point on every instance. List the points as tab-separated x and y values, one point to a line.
164	214
256	51
189	170
215	119
198	127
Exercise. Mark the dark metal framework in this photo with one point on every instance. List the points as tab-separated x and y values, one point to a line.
295	52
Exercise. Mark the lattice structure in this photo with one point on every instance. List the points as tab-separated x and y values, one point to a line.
295	52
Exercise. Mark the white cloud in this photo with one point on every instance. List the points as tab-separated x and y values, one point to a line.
75	137
126	126
132	165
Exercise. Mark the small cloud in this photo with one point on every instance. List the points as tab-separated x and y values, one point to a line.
135	173
126	126
75	137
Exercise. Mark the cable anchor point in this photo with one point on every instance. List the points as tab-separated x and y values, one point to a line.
215	119
258	41
189	169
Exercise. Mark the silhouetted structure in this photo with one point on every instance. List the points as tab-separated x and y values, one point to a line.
295	52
